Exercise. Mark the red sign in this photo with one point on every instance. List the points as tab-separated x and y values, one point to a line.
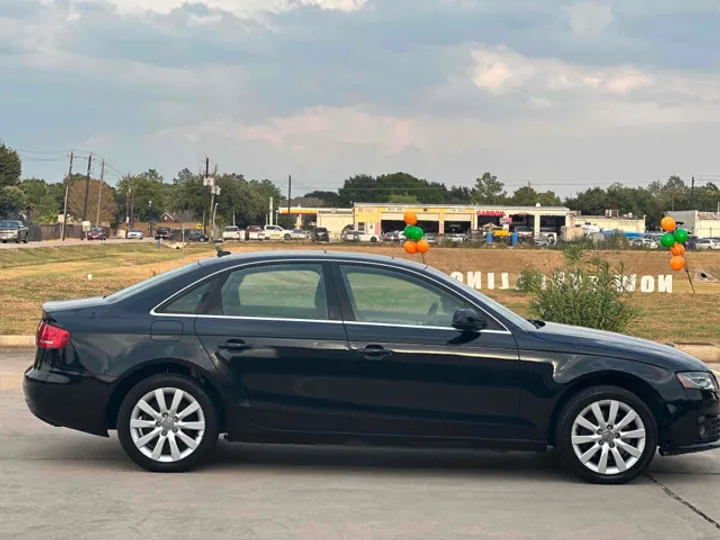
493	213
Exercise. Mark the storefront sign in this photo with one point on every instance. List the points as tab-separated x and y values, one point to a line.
491	213
631	283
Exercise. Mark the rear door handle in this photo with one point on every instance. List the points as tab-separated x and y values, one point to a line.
374	352
236	345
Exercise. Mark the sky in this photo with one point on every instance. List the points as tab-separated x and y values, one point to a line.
561	94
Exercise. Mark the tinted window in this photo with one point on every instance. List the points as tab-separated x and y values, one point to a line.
189	302
386	296
153	281
282	291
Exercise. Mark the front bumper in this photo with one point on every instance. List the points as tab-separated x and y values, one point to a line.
75	401
694	425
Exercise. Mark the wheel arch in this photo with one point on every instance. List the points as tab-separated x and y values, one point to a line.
624	380
170	365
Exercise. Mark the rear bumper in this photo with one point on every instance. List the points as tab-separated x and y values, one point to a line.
67	400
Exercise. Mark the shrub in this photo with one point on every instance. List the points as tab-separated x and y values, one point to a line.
583	294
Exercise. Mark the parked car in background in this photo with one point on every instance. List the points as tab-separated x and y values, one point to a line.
707	244
523	232
357	236
254	232
456	237
13	231
163	233
96	233
233	234
196	236
394	236
349	348
646	242
320	234
299	234
276	232
431	238
134	234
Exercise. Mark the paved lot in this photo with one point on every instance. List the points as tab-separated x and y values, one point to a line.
69	242
57	484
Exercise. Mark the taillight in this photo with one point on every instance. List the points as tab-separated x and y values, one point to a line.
51	337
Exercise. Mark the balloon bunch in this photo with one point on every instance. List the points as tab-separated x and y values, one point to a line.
414	234
674	239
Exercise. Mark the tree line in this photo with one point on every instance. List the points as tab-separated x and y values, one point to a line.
242	201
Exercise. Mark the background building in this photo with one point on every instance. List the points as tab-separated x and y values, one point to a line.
701	224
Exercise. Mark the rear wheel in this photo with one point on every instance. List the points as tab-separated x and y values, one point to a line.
167	423
288	237
606	435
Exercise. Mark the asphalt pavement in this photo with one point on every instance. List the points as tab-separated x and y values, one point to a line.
58	484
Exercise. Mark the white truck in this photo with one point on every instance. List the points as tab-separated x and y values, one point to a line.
276	232
233	234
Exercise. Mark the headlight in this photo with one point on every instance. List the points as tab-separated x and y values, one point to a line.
698	380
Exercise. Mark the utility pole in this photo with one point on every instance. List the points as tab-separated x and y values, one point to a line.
272	211
289	192
87	188
212	200
100	189
207	175
67	190
692	193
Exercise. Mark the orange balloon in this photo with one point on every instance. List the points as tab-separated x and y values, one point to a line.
677	263
678	250
668	224
410	247
423	246
410	217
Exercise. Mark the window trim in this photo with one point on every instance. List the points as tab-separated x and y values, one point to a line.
347	311
329	269
222	276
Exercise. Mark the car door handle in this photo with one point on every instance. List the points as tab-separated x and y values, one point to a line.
374	352
236	345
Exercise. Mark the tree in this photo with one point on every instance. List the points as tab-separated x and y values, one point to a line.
146	197
12	202
548	198
10	166
591	202
524	196
403	199
359	188
107	200
329	198
489	190
44	201
459	195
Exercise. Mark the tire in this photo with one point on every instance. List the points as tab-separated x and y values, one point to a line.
187	458
581	405
288	237
373	240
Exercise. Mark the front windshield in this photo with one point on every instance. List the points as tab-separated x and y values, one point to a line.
8	225
151	282
497	307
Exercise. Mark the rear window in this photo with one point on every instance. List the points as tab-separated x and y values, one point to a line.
231	229
152	282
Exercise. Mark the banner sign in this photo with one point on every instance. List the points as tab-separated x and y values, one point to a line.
630	283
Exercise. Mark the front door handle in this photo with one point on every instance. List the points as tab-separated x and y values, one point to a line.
236	345
374	352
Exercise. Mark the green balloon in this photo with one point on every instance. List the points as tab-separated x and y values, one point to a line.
667	240
681	235
413	233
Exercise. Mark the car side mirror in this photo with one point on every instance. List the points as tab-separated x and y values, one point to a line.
468	320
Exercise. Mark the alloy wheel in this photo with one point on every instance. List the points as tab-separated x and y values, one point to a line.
608	437
167	425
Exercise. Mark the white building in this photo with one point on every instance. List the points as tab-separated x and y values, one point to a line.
701	224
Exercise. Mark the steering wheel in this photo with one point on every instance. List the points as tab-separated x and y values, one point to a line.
431	313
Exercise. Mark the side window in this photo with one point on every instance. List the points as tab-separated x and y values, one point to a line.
189	302
385	296
283	291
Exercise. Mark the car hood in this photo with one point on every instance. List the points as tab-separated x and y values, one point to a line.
577	339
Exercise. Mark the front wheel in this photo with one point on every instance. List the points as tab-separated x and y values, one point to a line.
167	423
606	435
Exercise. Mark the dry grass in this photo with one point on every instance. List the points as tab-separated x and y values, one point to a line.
30	277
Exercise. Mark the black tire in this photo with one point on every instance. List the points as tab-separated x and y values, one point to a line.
373	240
165	380
288	237
576	405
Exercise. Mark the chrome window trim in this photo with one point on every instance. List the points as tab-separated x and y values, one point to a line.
423	327
471	301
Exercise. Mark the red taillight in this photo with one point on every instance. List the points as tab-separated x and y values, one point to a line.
51	337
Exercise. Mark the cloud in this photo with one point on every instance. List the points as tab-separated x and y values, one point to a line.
590	18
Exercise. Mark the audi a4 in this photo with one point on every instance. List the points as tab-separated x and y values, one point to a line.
338	348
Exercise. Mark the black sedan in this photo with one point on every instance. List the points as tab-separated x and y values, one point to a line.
337	348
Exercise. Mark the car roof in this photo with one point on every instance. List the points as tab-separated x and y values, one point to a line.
320	255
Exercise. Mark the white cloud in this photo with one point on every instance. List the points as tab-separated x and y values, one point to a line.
590	18
241	8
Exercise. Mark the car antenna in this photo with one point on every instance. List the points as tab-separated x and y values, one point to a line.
221	252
